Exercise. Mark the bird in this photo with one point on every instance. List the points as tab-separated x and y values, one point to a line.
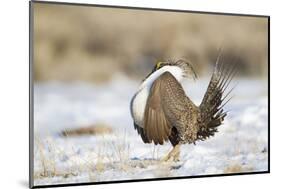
162	111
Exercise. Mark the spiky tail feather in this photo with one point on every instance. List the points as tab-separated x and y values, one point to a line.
211	108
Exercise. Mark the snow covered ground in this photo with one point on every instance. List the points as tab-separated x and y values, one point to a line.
239	146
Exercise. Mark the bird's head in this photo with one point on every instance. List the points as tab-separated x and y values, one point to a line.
185	67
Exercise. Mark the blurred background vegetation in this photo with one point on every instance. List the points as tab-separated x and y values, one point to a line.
93	43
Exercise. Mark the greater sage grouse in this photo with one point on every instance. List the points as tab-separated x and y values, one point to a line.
161	110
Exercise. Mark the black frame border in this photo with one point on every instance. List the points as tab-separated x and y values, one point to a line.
31	94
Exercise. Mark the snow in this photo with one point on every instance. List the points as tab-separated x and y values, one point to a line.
239	146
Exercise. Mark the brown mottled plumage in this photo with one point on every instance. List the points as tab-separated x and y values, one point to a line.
170	115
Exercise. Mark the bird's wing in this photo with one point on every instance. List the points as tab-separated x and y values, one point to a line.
140	131
211	107
136	126
166	106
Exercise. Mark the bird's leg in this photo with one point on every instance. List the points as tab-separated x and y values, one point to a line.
173	155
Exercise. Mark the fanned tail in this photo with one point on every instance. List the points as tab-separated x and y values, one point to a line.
211	108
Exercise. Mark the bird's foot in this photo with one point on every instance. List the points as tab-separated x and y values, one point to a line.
173	155
170	158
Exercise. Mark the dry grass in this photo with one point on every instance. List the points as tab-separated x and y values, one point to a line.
81	43
107	154
48	160
47	164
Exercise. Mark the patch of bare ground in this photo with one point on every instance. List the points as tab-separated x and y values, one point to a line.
237	168
95	129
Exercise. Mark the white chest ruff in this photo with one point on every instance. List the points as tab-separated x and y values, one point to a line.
139	102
